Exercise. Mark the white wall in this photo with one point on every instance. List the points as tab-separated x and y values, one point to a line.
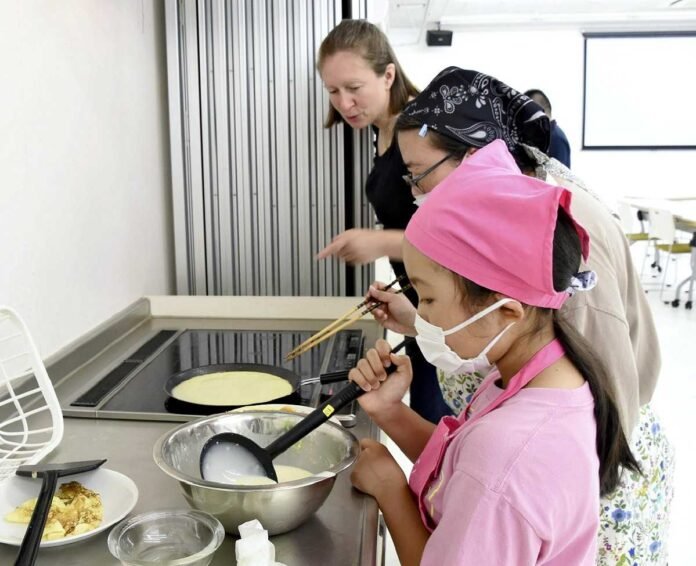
85	205
553	62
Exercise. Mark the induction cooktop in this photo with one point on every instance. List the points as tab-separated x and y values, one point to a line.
134	389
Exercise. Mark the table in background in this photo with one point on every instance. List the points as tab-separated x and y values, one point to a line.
683	210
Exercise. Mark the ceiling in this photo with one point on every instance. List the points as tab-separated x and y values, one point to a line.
586	14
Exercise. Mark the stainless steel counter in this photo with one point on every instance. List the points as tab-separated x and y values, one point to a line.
344	530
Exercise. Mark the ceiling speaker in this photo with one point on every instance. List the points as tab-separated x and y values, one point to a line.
436	37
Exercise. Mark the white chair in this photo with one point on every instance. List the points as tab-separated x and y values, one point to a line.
629	215
632	219
662	228
31	422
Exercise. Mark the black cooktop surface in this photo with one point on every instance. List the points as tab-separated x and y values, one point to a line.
137	384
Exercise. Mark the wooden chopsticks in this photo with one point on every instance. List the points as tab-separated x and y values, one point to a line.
336	327
342	322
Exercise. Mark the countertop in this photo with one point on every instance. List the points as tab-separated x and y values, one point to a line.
342	532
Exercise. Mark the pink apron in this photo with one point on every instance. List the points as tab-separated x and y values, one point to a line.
427	468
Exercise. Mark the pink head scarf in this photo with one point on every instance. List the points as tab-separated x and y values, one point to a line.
494	226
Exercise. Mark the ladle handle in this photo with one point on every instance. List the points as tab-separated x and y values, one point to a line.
317	417
321	414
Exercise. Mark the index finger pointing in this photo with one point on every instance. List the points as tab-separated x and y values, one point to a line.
332	249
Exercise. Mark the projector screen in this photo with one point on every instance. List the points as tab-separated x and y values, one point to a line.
640	91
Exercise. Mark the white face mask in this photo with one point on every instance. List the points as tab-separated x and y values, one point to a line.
431	341
420	199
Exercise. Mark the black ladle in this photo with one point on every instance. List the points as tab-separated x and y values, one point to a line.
249	459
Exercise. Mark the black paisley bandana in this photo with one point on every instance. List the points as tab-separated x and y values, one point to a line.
476	109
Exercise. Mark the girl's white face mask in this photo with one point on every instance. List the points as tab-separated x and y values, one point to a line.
431	341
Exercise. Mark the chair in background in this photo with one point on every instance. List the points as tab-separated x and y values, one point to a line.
628	216
662	228
691	279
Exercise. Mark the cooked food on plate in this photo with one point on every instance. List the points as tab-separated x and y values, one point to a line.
75	510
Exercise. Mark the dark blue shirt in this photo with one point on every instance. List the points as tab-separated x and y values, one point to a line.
559	148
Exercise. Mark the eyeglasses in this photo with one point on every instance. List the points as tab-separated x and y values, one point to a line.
413	181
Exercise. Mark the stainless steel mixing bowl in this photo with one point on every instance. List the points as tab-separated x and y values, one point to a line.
327	451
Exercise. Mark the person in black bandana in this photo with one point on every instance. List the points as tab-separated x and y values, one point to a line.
463	110
472	109
368	88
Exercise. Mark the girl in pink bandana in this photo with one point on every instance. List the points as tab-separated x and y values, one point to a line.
462	110
516	478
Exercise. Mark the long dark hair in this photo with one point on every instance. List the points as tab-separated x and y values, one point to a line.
612	447
455	147
367	40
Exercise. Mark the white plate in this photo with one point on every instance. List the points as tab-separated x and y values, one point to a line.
118	493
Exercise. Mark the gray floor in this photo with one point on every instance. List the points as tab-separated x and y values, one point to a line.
673	401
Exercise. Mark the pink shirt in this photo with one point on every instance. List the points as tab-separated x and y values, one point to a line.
521	485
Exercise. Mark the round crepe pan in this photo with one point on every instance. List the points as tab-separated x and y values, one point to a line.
181	406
